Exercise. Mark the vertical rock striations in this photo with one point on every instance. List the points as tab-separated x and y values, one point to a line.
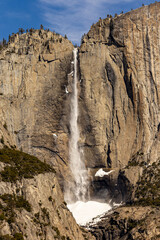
120	71
33	98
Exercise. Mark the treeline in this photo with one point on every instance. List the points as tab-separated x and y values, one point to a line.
11	38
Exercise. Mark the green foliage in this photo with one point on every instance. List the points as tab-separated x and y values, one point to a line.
17	236
11	202
21	30
14	201
31	30
45	212
2	217
21	165
6	237
37	215
136	159
57	231
4	42
58	213
148	188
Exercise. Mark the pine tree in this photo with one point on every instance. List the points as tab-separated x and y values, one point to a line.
9	38
4	42
21	30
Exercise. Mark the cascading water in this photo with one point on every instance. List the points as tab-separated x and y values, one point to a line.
77	192
77	166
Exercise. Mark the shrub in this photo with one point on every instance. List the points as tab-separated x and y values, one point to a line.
17	236
14	201
6	237
22	165
148	188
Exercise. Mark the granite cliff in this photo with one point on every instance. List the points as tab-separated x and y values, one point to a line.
31	202
34	106
119	94
34	70
119	71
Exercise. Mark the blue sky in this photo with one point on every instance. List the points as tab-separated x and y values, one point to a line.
71	17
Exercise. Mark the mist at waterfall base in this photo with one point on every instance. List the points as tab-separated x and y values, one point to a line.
77	190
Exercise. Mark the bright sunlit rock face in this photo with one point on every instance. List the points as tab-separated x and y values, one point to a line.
84	212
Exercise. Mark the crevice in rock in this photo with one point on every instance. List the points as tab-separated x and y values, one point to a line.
128	80
51	150
119	127
111	78
109	162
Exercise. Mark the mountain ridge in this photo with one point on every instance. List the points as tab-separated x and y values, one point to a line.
119	111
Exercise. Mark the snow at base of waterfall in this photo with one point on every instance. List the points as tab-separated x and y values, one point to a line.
84	212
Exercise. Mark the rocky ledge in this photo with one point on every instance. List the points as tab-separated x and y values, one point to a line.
32	206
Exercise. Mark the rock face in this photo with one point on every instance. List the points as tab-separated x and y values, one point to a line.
34	105
120	91
139	219
119	100
33	205
119	121
128	223
49	216
34	113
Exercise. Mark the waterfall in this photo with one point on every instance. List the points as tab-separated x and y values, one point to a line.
77	190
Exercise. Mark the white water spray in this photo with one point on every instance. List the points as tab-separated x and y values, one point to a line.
80	187
76	192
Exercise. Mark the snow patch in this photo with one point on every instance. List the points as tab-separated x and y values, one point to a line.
101	173
54	135
84	212
71	73
117	204
66	90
